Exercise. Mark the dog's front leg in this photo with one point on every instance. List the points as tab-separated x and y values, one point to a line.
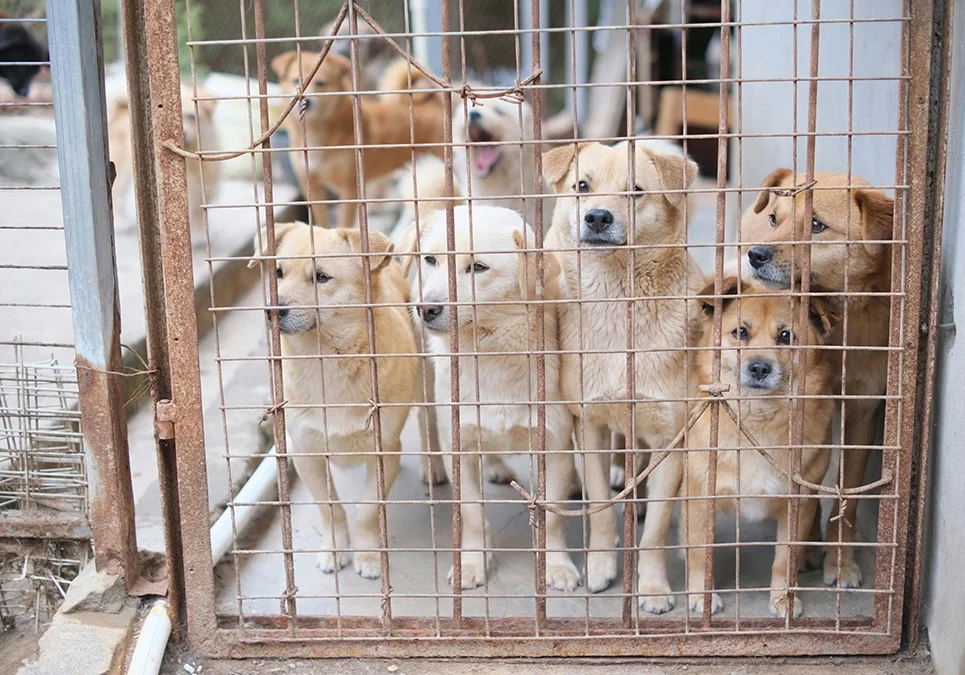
779	585
561	573
601	560
662	485
473	544
368	559
313	471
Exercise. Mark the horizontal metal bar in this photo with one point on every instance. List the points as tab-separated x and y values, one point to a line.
43	524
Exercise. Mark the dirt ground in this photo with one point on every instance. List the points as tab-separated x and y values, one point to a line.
16	646
919	665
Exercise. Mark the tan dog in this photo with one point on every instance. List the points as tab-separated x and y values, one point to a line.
590	217
345	435
328	122
503	275
199	133
759	371
864	215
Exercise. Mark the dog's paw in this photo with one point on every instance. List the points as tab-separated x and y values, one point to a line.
850	572
601	569
434	471
368	564
656	598
562	575
328	562
778	605
473	571
498	472
618	477
697	603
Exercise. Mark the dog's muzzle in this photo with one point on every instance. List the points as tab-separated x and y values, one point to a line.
760	374
599	228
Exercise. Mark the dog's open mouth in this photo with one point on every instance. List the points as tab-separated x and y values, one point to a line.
484	157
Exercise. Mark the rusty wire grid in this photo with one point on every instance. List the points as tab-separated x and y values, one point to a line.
469	567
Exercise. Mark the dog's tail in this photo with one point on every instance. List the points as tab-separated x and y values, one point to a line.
396	79
425	180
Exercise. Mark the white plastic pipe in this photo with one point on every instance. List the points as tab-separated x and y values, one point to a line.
149	651
262	486
153	640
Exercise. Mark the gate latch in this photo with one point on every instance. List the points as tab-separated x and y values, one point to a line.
165	414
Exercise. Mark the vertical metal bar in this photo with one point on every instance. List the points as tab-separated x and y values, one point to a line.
161	37
537	56
80	110
577	57
278	419
152	282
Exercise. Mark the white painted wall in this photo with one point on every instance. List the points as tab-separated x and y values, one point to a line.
767	52
945	592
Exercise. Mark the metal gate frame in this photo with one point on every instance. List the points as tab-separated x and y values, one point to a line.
153	75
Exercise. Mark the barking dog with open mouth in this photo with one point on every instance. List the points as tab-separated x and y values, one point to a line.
599	224
502	279
497	170
863	216
327	122
321	313
757	362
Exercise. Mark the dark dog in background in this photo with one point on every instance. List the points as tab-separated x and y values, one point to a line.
21	56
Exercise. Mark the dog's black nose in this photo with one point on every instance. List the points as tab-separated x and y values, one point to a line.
282	312
430	312
598	219
759	370
759	256
474	116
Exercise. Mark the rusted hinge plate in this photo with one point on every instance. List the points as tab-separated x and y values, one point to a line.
165	414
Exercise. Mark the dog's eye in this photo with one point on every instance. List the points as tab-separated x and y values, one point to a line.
499	111
321	277
430	260
817	227
784	338
278	273
582	186
740	334
478	267
773	220
319	84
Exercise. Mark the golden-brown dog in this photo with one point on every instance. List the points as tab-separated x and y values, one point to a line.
864	216
649	215
327	122
200	132
758	368
319	314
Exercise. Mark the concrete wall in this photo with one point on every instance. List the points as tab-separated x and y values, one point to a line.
767	52
945	591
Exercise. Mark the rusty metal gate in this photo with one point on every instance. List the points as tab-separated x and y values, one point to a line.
269	597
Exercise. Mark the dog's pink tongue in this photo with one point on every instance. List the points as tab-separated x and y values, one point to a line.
485	156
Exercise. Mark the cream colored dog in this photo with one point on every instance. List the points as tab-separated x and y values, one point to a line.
496	170
314	320
600	224
504	273
757	362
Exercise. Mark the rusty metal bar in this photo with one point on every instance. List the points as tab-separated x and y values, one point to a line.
18	524
152	284
80	110
164	83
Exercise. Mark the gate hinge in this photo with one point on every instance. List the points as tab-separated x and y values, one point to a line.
165	414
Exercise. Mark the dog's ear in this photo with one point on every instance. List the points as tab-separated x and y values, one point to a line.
776	177
706	299
261	239
823	311
341	68
378	244
556	163
877	218
527	268
407	244
281	63
675	172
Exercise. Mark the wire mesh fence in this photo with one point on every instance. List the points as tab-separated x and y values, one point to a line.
519	378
